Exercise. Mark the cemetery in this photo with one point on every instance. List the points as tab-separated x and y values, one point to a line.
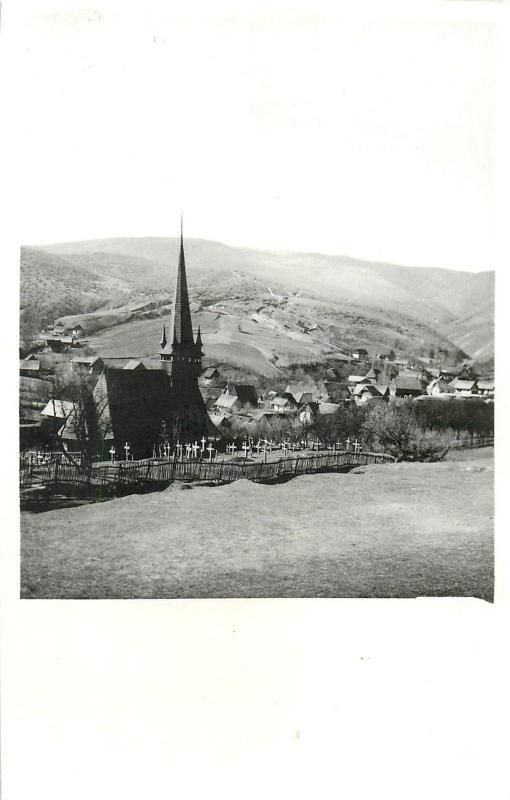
263	461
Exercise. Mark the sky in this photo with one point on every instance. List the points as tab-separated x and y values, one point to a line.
368	136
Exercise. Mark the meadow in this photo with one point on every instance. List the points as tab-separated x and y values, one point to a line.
400	530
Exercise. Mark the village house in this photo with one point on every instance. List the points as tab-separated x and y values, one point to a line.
268	423
133	364
78	331
485	387
284	402
60	344
364	393
373	374
301	393
308	413
221	421
386	355
359	354
58	328
438	386
355	380
209	376
30	367
463	388
406	386
91	365
234	397
54	415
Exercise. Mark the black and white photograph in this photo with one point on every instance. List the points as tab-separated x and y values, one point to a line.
256	310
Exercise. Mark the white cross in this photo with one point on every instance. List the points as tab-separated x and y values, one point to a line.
112	453
188	450
210	449
203	440
127	449
245	447
357	447
348	444
258	447
231	448
195	449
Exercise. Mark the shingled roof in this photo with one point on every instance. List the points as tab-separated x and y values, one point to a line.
136	402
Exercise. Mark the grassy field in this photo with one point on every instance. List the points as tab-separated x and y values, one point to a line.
400	530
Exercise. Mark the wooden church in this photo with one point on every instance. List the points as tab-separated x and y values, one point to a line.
147	407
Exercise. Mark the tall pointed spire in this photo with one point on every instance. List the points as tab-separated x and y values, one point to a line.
181	316
163	338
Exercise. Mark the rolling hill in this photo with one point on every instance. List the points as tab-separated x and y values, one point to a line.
282	305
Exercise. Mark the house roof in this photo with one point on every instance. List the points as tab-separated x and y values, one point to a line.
135	402
357	378
30	366
88	360
245	392
59	409
312	405
459	383
328	408
364	387
134	364
227	401
382	388
408	383
219	419
486	385
360	350
210	372
283	400
301	393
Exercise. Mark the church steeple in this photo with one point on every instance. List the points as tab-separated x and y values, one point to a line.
181	315
163	338
181	357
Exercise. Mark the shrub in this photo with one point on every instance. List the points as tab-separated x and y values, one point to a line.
397	429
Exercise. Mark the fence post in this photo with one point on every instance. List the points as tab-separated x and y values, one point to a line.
55	477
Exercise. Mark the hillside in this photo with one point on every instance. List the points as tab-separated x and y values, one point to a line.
410	539
278	302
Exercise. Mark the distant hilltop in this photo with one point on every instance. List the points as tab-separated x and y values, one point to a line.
373	302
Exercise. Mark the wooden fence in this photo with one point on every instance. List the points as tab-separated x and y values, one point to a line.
156	473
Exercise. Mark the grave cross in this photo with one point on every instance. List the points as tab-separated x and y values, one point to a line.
210	449
112	453
188	449
203	441
195	449
245	447
127	449
348	444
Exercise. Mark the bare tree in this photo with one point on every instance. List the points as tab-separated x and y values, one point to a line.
77	399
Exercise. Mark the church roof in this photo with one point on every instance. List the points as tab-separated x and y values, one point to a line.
134	403
181	330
